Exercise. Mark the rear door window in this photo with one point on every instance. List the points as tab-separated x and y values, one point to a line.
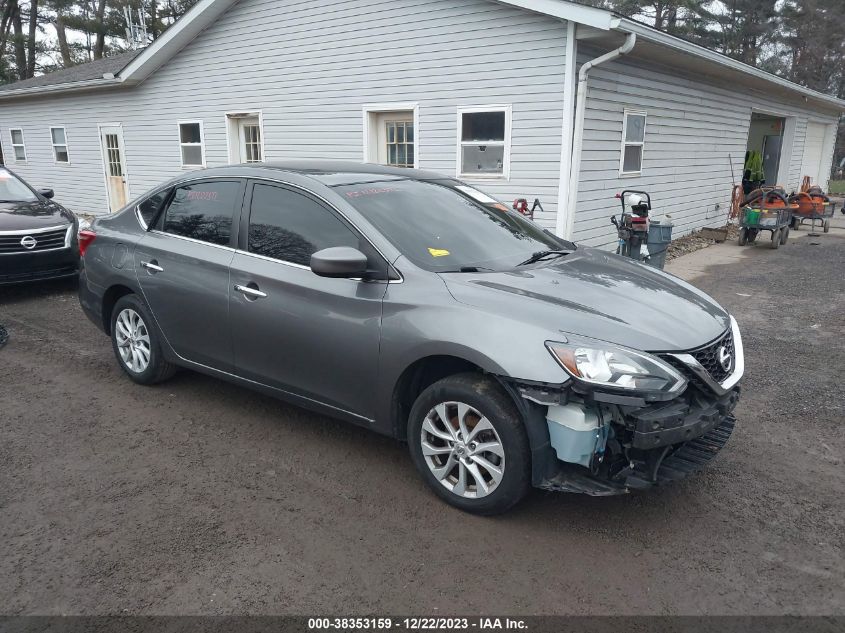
149	207
203	211
290	226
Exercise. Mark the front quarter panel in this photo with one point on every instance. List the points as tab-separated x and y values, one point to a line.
421	319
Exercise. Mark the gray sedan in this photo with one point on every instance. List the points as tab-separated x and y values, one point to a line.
418	306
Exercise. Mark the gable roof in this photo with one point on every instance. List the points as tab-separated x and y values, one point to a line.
133	70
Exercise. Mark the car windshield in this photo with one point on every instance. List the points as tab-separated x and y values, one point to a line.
13	190
445	228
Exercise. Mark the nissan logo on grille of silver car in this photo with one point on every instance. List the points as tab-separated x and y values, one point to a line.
725	358
28	242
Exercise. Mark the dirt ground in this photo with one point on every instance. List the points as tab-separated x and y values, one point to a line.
198	497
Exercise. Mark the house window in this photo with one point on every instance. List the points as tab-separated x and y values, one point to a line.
391	134
18	146
399	137
251	138
633	138
59	139
245	134
191	144
484	142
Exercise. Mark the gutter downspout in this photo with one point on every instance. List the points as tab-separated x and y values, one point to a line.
569	78
578	141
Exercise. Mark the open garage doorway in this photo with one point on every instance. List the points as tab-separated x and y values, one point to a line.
765	151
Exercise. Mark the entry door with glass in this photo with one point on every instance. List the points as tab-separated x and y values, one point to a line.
396	139
114	159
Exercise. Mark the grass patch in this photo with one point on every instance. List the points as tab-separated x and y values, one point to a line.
837	186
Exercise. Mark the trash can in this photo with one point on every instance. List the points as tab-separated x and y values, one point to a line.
659	236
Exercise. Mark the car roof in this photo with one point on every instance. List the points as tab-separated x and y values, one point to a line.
328	172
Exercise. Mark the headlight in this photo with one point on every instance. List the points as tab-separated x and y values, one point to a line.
606	365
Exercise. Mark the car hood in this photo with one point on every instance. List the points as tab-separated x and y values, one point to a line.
595	294
21	216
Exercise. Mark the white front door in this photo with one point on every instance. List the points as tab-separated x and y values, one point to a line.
114	165
249	140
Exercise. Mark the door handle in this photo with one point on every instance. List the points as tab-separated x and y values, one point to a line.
152	266
249	292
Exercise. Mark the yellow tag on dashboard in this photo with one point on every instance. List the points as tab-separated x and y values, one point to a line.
438	252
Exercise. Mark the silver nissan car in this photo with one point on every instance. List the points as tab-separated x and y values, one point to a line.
420	307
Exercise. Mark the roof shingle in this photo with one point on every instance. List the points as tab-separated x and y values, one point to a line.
83	72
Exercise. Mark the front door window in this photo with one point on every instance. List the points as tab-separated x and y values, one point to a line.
291	227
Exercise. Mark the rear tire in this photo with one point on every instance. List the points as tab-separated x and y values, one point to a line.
827	226
776	237
137	343
483	437
743	237
784	235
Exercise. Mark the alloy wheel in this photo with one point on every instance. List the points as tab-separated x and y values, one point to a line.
133	340
462	450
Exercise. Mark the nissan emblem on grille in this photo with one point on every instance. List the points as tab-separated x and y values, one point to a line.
718	357
28	242
725	358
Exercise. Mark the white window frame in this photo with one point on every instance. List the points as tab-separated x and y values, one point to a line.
14	145
371	137
231	120
641	144
201	144
506	143
54	145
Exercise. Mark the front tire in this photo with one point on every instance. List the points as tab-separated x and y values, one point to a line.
136	342
469	443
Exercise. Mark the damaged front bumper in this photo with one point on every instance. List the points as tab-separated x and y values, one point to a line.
600	441
650	446
644	444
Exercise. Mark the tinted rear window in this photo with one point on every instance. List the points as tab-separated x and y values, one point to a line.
203	211
149	207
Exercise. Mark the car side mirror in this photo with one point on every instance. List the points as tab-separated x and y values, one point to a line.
339	261
47	193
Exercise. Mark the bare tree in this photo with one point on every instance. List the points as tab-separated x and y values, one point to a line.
30	42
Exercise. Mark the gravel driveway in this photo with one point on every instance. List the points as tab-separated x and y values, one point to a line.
198	497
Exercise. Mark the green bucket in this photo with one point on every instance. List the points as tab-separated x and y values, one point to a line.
752	216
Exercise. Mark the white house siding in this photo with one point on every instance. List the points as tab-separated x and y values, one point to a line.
309	67
691	129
